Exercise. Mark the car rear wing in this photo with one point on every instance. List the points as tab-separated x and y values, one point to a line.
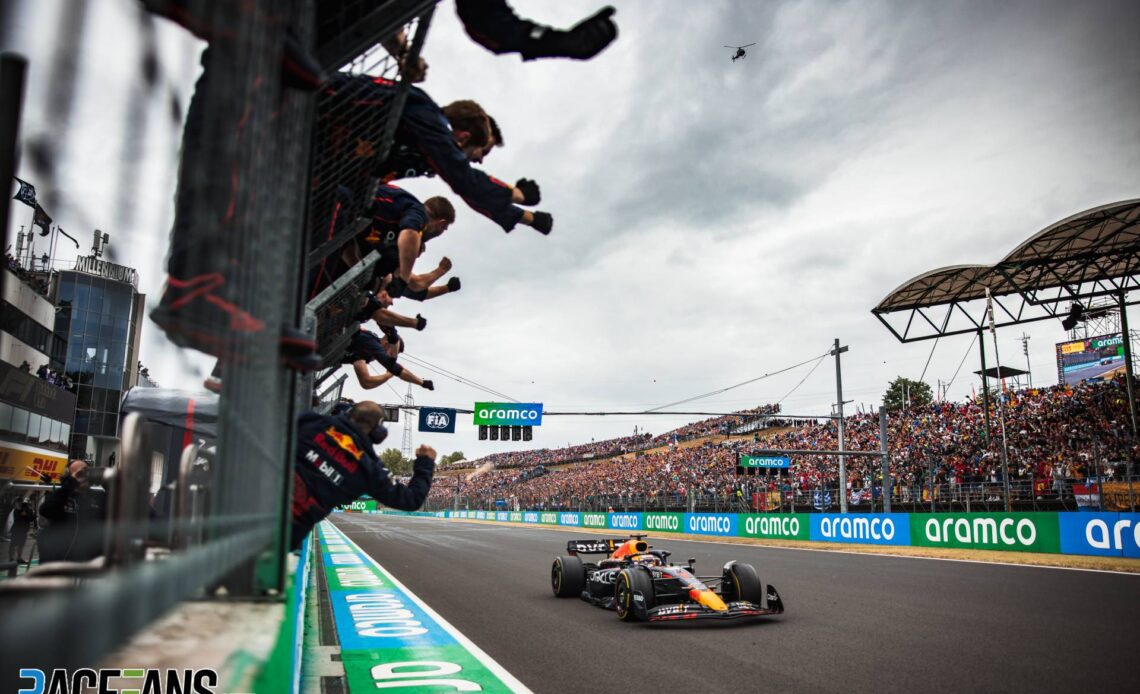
595	545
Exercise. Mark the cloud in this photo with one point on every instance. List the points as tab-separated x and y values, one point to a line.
716	221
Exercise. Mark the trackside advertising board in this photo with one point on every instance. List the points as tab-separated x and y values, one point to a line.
861	528
775	526
723	524
664	522
1101	534
1093	534
1010	532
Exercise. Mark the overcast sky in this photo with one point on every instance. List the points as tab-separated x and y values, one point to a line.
714	221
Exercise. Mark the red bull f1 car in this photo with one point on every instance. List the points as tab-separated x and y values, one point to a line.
640	584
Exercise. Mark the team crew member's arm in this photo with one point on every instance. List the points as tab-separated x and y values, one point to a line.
486	195
408	244
433	292
367	379
419	283
385	317
408	497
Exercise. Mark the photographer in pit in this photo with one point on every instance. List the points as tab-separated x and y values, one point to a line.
336	464
75	513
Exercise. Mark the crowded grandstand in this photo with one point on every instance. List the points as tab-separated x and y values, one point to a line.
1057	437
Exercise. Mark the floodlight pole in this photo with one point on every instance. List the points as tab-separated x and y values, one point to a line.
836	351
1127	360
985	387
887	483
406	443
1001	410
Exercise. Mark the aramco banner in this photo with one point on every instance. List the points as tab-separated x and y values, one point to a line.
765	462
508	414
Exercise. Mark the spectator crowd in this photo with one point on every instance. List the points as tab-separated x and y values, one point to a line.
1053	434
17	269
722	425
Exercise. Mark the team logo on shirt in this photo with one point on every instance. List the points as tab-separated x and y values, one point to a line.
345	442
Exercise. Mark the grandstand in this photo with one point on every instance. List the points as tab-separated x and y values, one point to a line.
939	460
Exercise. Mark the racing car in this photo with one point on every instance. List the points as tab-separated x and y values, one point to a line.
640	584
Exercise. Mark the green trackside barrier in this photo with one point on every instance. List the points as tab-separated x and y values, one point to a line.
1010	532
1110	534
665	522
774	526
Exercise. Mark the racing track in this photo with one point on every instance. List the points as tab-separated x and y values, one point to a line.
854	622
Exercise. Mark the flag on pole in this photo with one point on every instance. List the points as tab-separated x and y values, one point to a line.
26	194
43	220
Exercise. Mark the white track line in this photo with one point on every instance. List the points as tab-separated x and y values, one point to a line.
489	662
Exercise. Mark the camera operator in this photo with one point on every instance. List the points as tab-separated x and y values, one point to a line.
75	513
336	464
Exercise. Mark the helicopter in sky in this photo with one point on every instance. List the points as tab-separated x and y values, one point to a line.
740	52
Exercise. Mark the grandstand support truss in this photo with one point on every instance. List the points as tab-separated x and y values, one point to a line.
1090	255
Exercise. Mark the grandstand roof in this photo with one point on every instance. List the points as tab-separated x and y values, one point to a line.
1092	253
999	372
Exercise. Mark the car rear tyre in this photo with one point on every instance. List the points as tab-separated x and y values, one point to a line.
741	582
635	579
567	577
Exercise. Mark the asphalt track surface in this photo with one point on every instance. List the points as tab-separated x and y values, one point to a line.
854	622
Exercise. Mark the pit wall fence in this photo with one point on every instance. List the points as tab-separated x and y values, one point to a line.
1076	533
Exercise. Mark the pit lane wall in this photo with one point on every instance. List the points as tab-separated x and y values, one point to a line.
1091	534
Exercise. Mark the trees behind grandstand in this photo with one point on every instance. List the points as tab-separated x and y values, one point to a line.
903	393
451	458
395	461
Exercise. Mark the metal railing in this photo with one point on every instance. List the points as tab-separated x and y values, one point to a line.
919	497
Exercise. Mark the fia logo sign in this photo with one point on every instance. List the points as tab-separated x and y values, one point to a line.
437	420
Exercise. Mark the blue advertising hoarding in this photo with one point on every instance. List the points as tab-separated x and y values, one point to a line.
861	528
1100	534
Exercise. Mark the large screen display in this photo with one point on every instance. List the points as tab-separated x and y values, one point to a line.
1099	357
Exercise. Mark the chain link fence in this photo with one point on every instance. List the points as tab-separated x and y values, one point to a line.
294	170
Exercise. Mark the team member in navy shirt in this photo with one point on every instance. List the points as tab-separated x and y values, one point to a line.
337	464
